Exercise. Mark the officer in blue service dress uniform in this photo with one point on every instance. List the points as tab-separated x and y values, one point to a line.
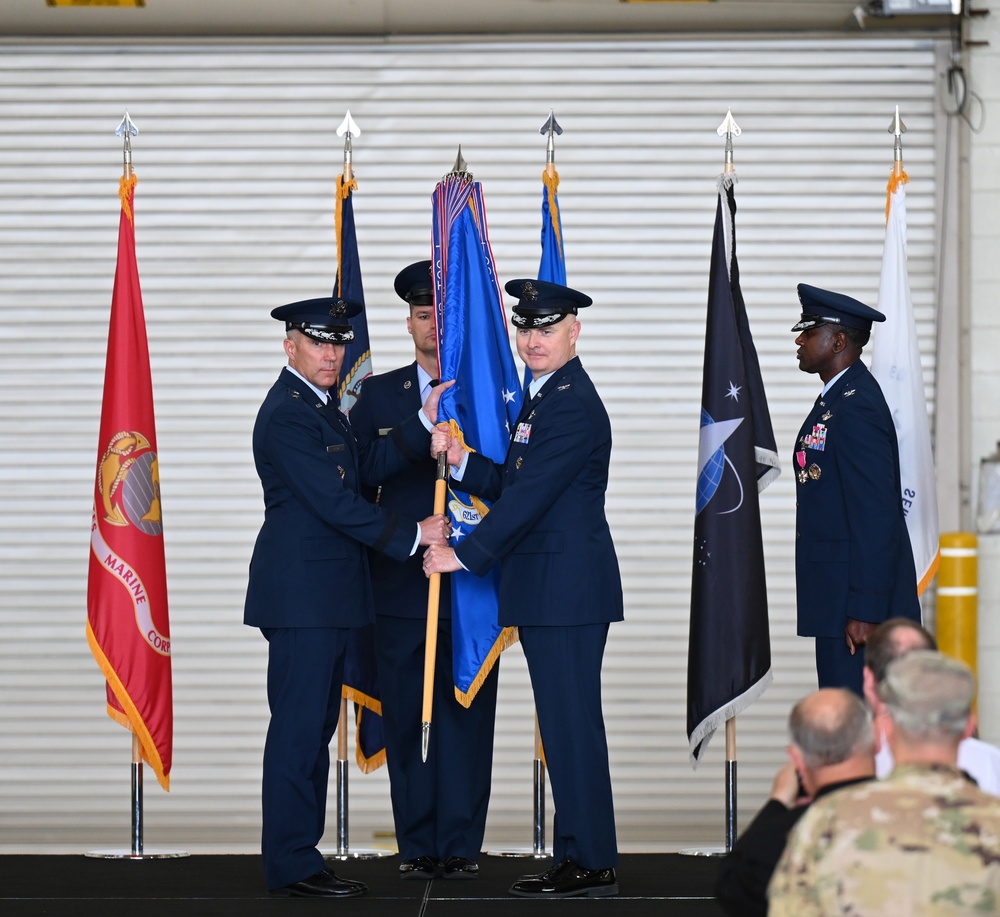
438	806
559	580
309	577
853	562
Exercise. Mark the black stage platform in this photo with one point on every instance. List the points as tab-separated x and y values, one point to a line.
73	886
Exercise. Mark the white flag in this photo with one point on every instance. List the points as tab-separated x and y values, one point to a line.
896	366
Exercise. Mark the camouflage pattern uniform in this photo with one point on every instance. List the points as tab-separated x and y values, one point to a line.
924	841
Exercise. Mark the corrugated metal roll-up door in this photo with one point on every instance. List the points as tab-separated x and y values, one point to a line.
236	159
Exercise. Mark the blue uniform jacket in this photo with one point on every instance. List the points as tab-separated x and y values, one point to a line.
852	550
309	566
386	401
548	524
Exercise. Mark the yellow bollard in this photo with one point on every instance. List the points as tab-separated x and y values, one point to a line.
958	596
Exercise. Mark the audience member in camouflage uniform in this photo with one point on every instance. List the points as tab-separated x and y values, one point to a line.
924	841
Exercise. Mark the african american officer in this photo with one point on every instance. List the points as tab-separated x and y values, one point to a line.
853	563
309	577
559	578
438	806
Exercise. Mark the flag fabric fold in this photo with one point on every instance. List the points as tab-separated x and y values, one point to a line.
729	652
474	349
896	366
127	617
360	675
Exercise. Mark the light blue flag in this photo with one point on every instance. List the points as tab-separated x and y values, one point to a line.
474	349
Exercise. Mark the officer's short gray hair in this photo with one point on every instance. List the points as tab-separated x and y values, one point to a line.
830	726
928	694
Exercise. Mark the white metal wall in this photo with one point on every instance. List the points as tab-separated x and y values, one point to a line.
236	159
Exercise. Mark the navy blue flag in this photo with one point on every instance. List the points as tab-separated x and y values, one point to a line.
474	349
360	677
729	650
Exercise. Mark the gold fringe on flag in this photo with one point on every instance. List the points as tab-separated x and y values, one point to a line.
551	182
126	187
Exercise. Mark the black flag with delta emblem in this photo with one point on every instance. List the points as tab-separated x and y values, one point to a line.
729	651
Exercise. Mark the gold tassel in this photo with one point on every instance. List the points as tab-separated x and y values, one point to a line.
506	638
895	180
367	765
342	192
551	182
126	188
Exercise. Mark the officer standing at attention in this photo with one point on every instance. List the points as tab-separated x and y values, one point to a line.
853	561
559	578
309	577
439	807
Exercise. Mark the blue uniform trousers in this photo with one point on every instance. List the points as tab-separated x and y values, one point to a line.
305	667
439	806
565	668
836	667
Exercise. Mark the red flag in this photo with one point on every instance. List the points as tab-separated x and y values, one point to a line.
127	625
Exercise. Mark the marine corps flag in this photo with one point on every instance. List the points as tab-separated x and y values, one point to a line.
729	651
127	625
474	349
896	366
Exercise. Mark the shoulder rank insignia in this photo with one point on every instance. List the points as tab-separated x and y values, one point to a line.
295	393
851	392
562	388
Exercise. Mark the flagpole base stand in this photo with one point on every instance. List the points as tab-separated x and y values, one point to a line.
123	854
703	851
521	852
358	853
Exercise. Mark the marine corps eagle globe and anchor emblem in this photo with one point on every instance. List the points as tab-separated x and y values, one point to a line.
128	481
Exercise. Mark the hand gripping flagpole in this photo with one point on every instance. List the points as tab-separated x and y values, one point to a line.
347	130
127	130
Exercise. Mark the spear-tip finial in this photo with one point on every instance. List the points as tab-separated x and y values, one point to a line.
550	128
461	167
347	130
729	128
898	129
127	130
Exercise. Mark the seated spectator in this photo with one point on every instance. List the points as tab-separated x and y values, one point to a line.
895	638
925	841
832	747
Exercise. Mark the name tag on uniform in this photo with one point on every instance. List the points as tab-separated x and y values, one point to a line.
523	433
336	447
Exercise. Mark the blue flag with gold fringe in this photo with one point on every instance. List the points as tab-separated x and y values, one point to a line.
360	676
729	650
474	349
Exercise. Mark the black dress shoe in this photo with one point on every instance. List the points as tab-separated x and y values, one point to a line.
419	868
566	880
460	868
323	884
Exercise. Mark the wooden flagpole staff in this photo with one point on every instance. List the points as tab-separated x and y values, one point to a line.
433	605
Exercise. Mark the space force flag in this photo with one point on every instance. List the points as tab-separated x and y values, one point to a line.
896	366
729	651
473	349
127	626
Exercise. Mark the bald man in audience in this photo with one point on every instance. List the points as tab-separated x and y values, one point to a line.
895	638
925	841
832	747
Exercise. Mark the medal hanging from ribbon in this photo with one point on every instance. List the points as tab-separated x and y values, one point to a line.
800	458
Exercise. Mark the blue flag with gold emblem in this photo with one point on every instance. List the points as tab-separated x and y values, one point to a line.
474	350
360	677
729	649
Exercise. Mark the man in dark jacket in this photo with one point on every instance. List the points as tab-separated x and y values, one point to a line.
853	562
309	577
438	806
559	578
